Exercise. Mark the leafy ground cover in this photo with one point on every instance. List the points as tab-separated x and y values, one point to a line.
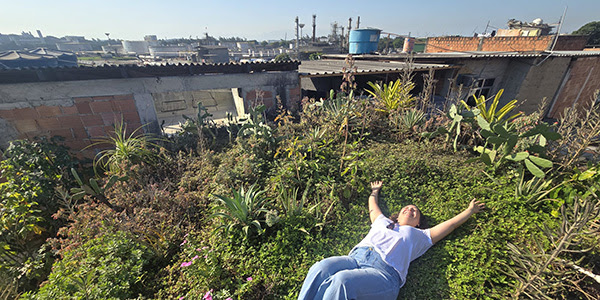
242	211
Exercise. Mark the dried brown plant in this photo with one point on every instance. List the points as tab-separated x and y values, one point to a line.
543	273
580	129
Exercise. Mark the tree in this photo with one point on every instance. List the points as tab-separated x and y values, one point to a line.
282	57
593	30
398	43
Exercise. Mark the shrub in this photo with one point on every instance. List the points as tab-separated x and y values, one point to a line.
32	170
110	267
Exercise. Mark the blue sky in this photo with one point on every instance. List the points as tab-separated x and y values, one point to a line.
268	19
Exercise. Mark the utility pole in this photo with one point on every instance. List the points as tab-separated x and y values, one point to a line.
358	22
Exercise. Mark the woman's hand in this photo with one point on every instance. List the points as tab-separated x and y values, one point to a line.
476	206
376	185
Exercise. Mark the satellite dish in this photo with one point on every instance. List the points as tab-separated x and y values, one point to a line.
538	21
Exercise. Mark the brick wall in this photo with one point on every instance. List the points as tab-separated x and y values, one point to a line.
451	44
517	43
571	42
79	123
505	43
579	85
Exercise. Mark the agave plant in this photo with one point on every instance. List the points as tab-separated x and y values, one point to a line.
411	118
244	211
493	114
134	147
394	95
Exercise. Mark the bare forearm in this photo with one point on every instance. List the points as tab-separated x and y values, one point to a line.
374	210
440	231
460	218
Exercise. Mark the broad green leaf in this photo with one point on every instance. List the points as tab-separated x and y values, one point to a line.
496	140
501	130
551	135
510	144
534	169
542	162
486	159
518	156
483	123
586	175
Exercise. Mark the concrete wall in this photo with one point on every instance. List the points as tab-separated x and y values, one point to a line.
80	110
578	86
504	43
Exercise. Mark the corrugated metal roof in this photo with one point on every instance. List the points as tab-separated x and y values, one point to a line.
128	71
334	67
471	54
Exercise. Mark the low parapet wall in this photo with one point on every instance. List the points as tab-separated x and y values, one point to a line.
80	110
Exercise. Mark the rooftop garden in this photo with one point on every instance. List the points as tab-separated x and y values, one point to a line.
242	211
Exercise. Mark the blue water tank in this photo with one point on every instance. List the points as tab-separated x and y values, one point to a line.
363	41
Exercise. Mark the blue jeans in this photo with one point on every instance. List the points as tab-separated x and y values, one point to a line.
361	275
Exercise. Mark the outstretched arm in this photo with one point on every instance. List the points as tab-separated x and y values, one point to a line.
374	210
441	230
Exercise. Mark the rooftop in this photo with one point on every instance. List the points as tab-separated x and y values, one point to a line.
468	54
128	71
333	67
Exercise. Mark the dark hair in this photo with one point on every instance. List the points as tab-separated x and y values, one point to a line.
422	220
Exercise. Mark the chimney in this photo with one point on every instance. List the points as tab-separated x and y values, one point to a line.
314	28
358	22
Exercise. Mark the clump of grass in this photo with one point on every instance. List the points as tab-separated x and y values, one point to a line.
124	148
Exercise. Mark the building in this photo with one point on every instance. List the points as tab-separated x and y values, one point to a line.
84	102
212	54
565	78
136	47
74	46
169	51
38	58
506	43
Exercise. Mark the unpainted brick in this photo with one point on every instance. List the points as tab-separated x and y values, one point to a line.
82	99
101	106
110	118
7	114
102	98
123	97
48	123
79	133
25	125
48	111
92	120
25	113
97	131
69	110
131	116
83	108
66	133
70	121
124	105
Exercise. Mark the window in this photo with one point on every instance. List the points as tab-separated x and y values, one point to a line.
482	87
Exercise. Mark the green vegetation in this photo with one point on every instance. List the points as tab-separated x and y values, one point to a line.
593	30
245	209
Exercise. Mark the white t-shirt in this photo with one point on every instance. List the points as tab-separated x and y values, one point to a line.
398	246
